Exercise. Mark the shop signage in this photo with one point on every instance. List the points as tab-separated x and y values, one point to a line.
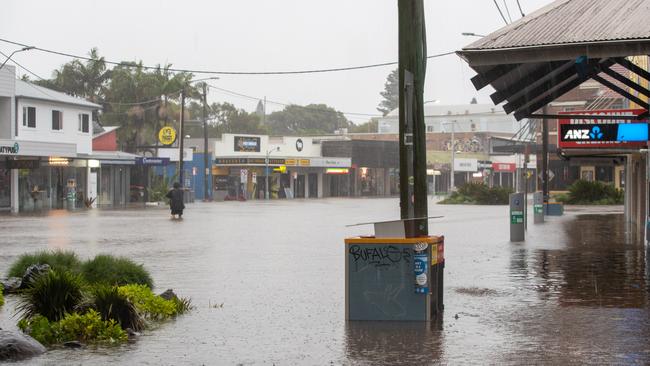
23	164
243	175
221	183
337	171
465	165
247	161
247	144
10	149
304	162
331	162
151	161
167	135
290	162
589	133
484	164
299	145
504	167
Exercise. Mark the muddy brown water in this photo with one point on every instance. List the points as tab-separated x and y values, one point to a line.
576	292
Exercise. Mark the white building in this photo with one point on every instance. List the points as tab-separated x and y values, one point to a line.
465	118
240	165
45	146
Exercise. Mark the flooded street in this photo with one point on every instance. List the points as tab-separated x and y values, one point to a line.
575	292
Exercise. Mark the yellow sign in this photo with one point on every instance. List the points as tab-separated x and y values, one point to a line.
281	169
167	135
290	162
304	162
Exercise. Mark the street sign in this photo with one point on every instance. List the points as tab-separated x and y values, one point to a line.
167	135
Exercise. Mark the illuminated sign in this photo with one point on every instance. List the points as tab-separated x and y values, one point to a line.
59	161
590	133
247	144
167	135
504	167
337	171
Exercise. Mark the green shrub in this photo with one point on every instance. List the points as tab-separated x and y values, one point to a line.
114	305
583	192
2	299
110	270
52	295
57	260
478	193
86	328
153	306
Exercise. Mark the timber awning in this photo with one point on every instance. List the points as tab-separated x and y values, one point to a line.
544	55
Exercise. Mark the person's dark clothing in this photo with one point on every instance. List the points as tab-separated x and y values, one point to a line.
176	201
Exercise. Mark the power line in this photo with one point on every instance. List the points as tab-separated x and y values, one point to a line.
505	4
495	3
521	11
295	72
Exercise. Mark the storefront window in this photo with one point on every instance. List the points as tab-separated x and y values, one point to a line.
5	188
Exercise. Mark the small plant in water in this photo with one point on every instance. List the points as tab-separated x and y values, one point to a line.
110	270
114	305
57	260
52	295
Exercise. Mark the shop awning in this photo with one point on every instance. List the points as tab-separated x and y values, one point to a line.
544	55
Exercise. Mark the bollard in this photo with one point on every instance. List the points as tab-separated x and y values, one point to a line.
517	231
538	207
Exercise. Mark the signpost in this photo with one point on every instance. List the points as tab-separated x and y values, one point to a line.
167	135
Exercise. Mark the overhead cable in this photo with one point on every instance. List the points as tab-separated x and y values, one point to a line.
216	72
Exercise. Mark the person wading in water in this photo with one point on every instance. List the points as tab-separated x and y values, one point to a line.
176	201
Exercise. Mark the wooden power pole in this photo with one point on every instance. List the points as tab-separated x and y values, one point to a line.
412	131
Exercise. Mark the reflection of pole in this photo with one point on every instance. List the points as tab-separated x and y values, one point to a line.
180	153
205	144
266	185
545	157
453	157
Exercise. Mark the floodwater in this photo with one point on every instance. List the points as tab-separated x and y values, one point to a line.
576	292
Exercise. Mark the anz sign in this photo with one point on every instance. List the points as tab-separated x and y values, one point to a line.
603	135
581	134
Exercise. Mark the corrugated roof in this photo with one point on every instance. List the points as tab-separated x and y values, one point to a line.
572	22
28	90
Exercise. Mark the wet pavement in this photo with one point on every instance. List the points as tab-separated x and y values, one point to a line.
576	292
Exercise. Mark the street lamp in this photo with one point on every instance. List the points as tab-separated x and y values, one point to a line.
16	51
266	187
472	34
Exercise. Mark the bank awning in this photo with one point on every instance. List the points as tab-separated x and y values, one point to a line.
544	55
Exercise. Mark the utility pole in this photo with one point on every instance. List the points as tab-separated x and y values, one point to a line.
181	173
412	132
206	159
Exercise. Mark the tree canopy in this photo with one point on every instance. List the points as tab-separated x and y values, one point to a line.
313	119
390	94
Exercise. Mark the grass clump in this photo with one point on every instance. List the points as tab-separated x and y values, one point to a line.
57	260
115	271
2	299
583	192
52	295
115	305
478	194
87	328
152	306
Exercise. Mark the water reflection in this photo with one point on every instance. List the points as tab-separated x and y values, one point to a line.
600	264
393	343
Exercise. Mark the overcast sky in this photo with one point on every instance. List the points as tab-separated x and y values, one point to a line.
260	35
